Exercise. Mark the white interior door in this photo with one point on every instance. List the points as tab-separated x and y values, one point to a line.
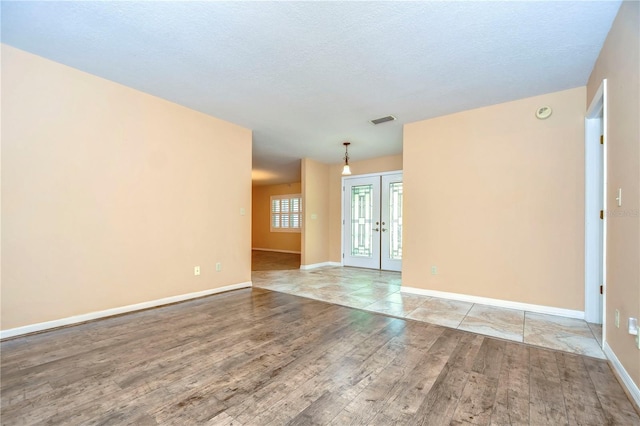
362	222
600	237
372	226
595	198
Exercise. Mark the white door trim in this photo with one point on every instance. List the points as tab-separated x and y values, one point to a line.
593	161
395	172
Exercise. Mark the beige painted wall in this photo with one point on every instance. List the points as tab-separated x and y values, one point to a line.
494	198
315	199
375	165
261	235
112	196
619	63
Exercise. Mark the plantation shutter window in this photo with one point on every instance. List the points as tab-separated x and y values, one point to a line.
286	213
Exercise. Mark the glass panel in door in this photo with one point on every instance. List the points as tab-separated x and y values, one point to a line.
391	231
362	222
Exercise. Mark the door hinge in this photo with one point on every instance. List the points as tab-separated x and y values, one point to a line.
600	289
601	139
601	214
343	255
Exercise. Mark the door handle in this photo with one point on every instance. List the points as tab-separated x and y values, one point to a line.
383	229
376	229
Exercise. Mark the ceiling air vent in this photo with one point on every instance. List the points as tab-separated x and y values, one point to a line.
382	119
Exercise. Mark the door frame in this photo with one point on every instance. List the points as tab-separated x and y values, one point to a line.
365	175
593	161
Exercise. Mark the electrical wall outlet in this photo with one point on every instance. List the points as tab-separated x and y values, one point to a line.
218	267
434	270
616	318
633	326
196	270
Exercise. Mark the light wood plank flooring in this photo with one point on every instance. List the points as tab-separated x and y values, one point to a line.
257	357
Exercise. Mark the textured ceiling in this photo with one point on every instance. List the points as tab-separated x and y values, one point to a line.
306	76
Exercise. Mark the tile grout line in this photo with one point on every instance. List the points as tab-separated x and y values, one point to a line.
465	315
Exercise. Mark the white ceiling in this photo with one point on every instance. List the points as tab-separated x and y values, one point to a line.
306	76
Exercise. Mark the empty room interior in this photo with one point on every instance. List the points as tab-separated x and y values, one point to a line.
367	213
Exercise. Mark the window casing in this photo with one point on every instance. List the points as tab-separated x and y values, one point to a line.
286	213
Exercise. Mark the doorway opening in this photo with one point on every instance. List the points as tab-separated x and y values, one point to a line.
372	221
276	226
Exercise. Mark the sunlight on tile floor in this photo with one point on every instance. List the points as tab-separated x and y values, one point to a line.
379	291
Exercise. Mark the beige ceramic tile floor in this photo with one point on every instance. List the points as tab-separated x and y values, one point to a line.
379	291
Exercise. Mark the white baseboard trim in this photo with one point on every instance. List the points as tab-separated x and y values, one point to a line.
541	309
277	251
41	326
632	388
319	265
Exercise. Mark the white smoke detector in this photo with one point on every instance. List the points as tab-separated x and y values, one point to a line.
543	112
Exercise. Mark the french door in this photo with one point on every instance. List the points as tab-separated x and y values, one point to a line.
372	224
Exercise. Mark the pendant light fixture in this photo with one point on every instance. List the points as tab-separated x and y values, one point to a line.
346	170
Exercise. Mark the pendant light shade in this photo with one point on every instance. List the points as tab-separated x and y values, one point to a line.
346	170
